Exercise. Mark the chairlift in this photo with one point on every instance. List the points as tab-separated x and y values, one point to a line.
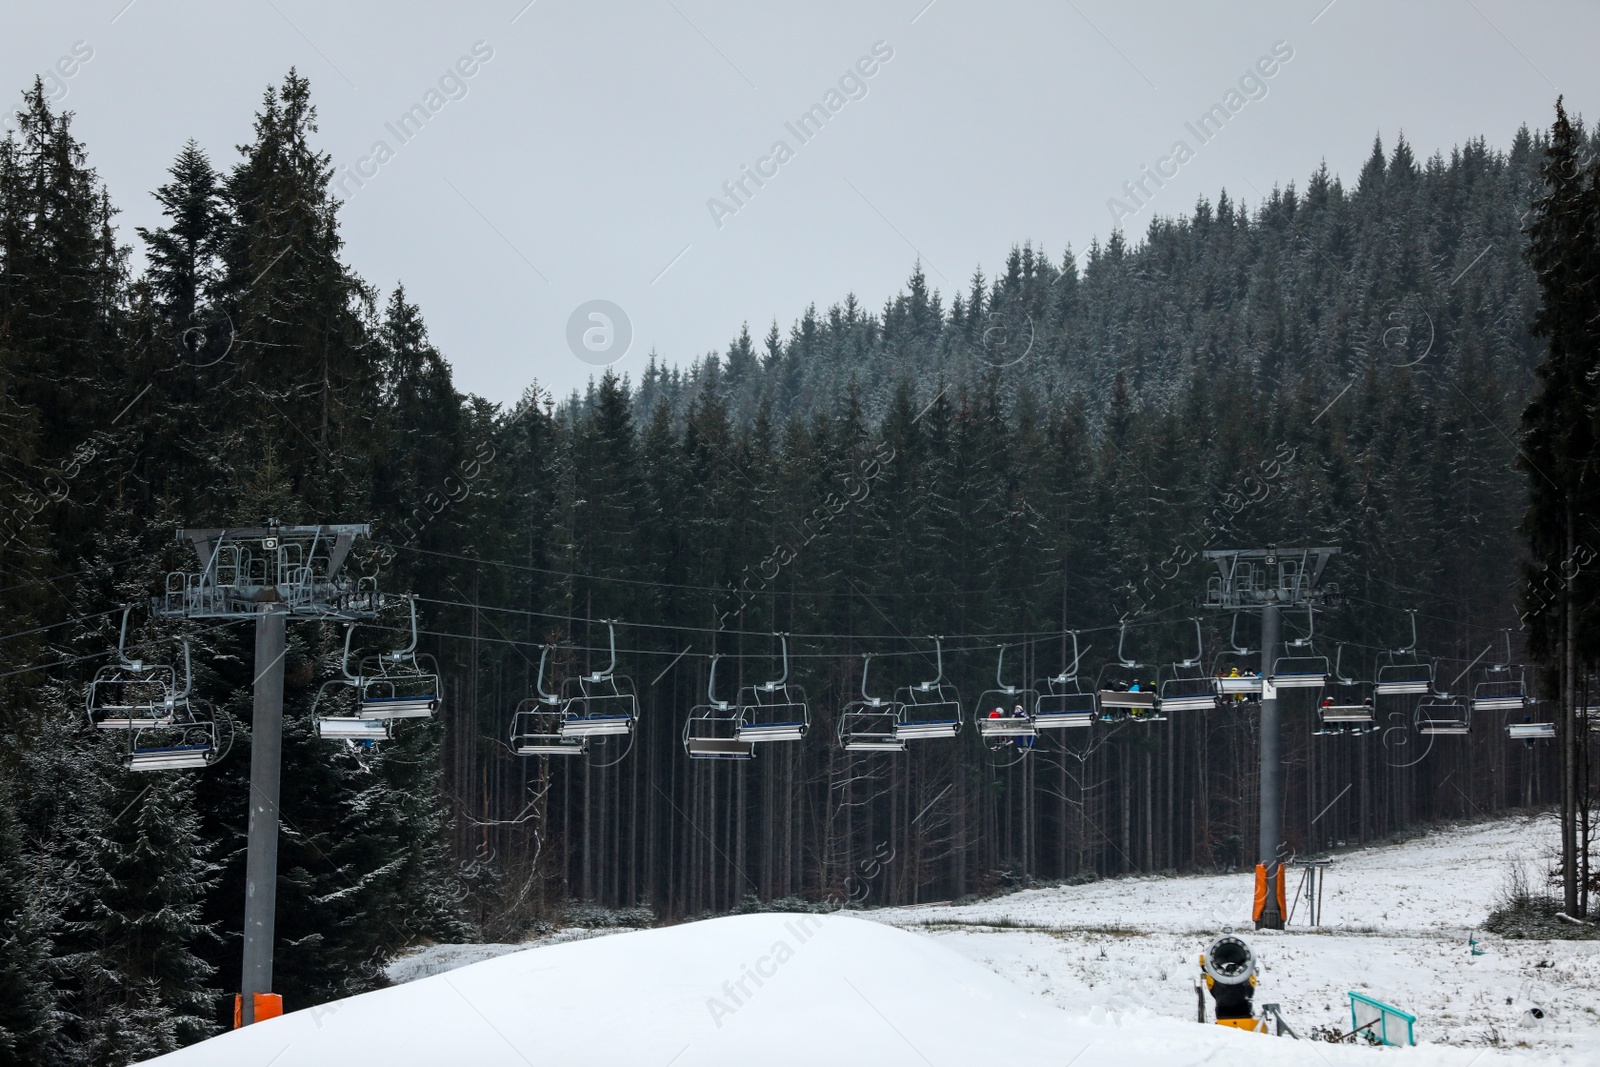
130	693
536	722
772	711
1529	731
190	740
929	709
1304	671
1126	689
1236	679
165	729
1404	673
1060	702
870	724
599	704
1444	714
1184	688
353	728
1501	687
712	729
1346	706
394	685
1003	725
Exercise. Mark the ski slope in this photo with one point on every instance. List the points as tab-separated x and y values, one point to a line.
1091	974
1397	924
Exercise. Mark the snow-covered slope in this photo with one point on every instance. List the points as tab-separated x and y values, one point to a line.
1397	925
755	989
1089	975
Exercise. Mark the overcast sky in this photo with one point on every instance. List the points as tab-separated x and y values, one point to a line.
562	152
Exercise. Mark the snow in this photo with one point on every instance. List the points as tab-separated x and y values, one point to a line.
1092	974
1397	922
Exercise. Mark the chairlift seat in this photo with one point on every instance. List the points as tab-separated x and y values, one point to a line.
1008	726
343	728
772	714
530	745
870	728
1442	717
875	744
923	729
924	719
1300	672
1531	731
536	731
775	710
1356	713
1404	679
1188	694
928	709
1057	711
1239	685
772	731
723	748
398	707
1143	699
128	722
606	725
1499	696
170	757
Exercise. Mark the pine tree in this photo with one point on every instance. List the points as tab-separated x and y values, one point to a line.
1561	449
27	1012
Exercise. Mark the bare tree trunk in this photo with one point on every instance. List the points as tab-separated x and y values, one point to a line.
1569	734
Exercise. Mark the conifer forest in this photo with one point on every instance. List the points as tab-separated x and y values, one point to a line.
1397	362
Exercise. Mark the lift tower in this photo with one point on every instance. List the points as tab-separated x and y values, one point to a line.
271	574
1269	580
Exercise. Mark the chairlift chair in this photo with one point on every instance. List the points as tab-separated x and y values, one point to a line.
1059	702
1404	673
1236	679
1125	688
1501	687
599	704
1529	731
189	740
1444	714
536	722
353	728
712	729
130	693
773	711
1002	725
1346	706
929	709
1182	688
340	725
1304	671
870	724
395	685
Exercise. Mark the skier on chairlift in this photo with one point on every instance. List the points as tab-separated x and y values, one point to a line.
1018	713
998	713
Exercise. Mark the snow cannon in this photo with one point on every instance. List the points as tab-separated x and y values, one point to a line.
1229	970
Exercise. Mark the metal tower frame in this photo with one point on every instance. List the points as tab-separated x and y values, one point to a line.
269	573
1270	580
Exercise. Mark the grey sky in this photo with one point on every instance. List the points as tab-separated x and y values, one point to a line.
577	160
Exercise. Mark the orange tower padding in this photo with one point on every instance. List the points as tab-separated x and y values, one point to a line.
268	1006
1261	892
